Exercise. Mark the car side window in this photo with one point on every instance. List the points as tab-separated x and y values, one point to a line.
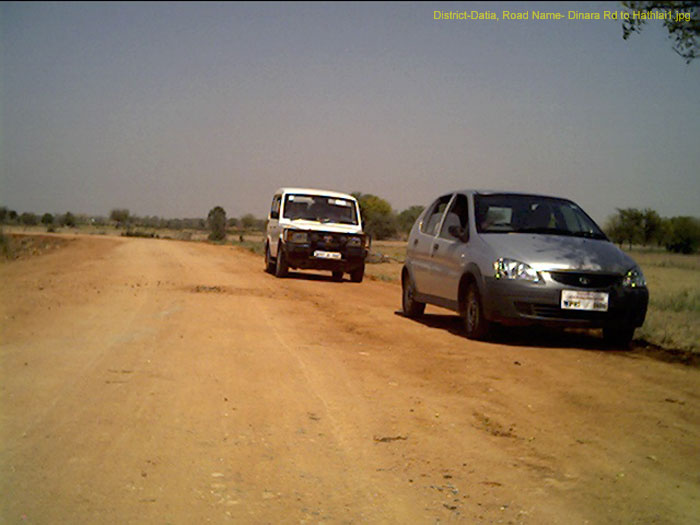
275	210
431	221
457	215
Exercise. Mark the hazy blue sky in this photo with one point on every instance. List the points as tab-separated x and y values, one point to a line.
171	109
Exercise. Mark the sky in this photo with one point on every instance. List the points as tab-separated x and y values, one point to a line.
170	109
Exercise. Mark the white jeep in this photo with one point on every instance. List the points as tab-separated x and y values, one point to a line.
315	229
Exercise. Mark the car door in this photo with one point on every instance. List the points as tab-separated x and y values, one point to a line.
420	248
448	254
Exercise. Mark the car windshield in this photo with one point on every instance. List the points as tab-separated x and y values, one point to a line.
320	208
514	213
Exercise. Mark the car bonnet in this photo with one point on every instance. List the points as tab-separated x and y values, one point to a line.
558	252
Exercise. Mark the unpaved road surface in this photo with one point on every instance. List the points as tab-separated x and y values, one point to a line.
153	381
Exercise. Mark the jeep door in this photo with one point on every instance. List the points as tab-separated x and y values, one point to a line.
449	251
273	224
420	248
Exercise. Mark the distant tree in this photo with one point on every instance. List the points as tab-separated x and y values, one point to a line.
248	221
683	23
626	226
3	214
68	219
217	224
29	219
120	216
377	216
12	216
408	217
47	219
684	235
652	227
232	222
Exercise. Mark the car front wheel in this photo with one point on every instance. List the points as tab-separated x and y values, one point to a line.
281	268
358	274
618	336
475	324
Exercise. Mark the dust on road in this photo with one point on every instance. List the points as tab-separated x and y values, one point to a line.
159	381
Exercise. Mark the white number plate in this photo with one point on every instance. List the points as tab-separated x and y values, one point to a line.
327	255
592	301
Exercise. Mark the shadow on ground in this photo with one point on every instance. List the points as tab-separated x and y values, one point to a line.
578	339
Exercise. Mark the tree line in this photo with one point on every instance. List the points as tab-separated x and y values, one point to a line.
121	218
630	226
647	228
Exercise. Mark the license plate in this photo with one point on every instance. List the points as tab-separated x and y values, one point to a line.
320	254
591	301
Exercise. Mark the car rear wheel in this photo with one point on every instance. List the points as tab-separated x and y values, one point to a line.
269	262
475	324
409	305
618	336
281	268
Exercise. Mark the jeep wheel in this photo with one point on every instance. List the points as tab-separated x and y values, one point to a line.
269	263
281	268
337	275
409	305
476	325
357	274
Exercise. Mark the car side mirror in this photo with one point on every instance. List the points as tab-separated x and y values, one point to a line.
458	233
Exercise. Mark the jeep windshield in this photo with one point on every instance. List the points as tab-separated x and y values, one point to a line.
516	213
320	208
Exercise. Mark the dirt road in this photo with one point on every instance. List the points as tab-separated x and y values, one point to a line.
153	381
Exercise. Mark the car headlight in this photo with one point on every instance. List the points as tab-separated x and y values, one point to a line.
296	236
512	269
354	242
634	278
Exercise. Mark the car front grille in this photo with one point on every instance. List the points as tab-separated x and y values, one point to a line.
586	280
328	240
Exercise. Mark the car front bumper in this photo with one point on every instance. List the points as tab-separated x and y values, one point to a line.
308	256
523	303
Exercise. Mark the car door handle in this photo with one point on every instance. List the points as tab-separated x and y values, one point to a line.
415	241
436	246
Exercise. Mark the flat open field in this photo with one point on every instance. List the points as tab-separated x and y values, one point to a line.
159	381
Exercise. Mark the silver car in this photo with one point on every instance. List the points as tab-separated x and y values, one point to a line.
519	259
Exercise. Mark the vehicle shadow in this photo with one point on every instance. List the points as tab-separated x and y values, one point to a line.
318	277
574	339
543	337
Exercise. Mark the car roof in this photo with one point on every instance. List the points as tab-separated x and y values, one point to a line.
315	191
505	192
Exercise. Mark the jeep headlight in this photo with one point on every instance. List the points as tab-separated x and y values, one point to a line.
516	270
634	278
296	236
354	242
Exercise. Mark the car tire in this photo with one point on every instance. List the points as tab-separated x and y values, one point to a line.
409	305
476	325
269	262
618	336
337	275
281	266
357	274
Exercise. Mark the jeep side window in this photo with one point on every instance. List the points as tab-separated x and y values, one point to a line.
456	216
275	210
431	222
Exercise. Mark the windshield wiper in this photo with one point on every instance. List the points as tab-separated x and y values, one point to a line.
551	231
590	235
